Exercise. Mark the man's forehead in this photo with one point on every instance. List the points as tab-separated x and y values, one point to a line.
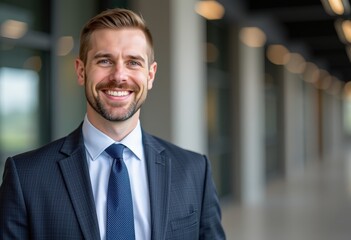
109	42
129	38
131	32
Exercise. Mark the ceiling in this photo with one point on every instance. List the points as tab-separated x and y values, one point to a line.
303	23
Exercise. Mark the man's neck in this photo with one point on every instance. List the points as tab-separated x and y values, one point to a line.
116	130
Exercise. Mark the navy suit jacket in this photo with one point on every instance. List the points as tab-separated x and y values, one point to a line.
46	193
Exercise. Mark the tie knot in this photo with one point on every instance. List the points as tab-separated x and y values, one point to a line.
115	151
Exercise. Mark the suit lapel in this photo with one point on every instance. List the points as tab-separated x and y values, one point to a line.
159	175
76	175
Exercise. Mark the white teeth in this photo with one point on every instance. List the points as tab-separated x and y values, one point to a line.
117	93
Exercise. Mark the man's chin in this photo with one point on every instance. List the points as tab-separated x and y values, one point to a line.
117	117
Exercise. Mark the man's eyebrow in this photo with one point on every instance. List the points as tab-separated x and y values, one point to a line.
136	57
130	56
102	55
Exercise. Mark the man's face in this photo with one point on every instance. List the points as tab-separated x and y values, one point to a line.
117	74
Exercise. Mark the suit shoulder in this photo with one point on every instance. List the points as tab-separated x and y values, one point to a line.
47	152
40	158
53	146
176	150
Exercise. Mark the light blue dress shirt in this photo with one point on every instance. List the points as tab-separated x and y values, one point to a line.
99	163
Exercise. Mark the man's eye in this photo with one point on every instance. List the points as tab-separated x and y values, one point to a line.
104	62
134	63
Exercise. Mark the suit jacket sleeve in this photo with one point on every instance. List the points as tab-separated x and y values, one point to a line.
13	224
210	225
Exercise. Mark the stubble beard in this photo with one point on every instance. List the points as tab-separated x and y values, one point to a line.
109	115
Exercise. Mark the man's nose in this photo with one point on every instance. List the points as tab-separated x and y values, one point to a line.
119	73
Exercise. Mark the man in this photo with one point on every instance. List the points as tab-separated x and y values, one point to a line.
63	190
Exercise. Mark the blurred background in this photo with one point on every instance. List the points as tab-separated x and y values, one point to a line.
261	87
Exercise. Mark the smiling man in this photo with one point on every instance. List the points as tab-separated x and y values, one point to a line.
109	179
117	74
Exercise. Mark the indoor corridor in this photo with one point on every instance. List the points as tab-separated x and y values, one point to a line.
315	204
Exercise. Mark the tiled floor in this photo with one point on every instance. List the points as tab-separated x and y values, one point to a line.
316	204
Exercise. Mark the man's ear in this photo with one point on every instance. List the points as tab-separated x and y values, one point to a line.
80	71
152	75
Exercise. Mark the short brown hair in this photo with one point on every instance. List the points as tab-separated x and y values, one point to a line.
116	18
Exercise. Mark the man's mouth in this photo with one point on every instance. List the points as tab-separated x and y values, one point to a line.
115	93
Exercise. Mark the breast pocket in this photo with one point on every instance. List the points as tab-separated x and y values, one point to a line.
185	222
184	228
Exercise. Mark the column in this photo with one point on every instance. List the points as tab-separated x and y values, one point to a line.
332	127
176	106
293	125
250	90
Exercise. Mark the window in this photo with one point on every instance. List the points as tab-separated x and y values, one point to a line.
24	76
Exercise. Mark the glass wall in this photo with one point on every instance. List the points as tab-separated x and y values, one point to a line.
219	107
274	165
24	76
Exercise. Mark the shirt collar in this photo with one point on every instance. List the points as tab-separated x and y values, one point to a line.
96	141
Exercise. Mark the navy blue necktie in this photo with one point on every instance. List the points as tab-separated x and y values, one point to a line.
119	220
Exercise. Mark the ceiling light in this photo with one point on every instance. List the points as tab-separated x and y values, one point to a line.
210	9
33	63
296	63
277	54
334	87
311	73
65	45
324	81
338	7
13	29
252	36
343	29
